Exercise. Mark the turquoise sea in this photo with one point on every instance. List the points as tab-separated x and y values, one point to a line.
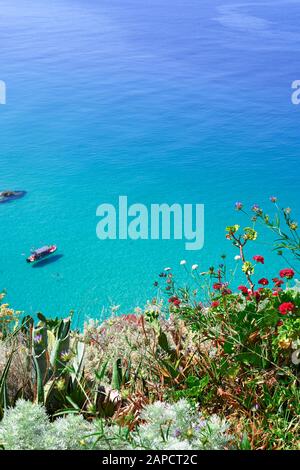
163	101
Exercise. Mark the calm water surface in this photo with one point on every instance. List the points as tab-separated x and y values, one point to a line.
163	101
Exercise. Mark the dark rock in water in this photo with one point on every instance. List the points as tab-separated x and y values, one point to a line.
7	196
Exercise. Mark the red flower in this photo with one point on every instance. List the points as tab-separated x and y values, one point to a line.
256	296
286	307
227	292
215	304
253	295
259	259
174	300
263	281
277	282
275	293
288	273
243	289
279	323
217	286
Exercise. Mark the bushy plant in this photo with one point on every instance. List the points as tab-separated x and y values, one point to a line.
282	225
71	432
178	426
140	378
27	427
249	340
9	318
152	347
19	379
24	427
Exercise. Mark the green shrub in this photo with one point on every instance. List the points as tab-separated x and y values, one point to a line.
178	426
24	427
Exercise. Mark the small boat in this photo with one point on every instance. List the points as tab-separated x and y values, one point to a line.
8	195
41	253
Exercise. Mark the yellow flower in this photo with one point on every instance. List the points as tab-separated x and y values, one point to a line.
293	225
60	385
250	233
284	343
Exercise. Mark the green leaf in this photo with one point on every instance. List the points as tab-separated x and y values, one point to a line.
163	342
249	358
4	402
77	372
101	373
173	372
42	318
245	443
192	381
40	396
116	381
204	382
228	347
75	406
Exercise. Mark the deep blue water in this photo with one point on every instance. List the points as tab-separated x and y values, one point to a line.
162	100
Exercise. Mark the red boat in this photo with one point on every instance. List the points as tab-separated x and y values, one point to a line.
41	253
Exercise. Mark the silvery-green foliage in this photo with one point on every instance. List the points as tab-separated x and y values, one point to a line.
70	433
112	437
180	425
27	427
177	426
24	427
214	435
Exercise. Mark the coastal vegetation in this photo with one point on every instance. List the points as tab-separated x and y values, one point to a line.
202	366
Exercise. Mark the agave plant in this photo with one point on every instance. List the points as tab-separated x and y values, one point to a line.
4	401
